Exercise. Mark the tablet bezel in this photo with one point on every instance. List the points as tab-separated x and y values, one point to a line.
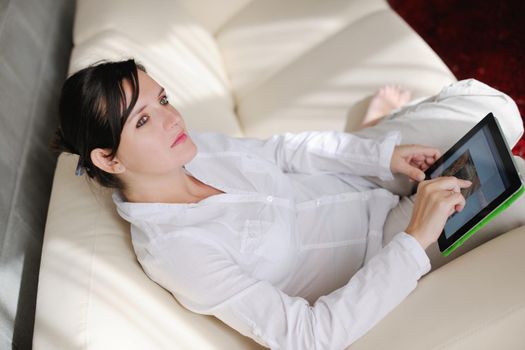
508	164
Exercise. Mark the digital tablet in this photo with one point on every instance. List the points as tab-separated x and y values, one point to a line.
483	157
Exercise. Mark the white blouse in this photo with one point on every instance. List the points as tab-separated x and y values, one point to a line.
291	253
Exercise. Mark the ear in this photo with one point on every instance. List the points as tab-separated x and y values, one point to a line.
100	157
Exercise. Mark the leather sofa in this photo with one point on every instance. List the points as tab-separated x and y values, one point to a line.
253	68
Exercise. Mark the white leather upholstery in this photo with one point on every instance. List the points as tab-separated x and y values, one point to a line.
252	67
300	64
476	301
176	50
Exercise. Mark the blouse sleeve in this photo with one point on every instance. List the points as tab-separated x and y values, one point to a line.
206	280
328	151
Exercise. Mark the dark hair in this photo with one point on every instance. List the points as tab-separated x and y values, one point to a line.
92	112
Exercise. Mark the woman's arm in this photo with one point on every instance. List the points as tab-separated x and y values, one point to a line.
206	280
327	151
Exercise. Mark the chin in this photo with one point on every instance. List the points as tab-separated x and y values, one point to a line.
190	153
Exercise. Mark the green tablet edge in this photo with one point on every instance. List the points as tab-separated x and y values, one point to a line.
483	222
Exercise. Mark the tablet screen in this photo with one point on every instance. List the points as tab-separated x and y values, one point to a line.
477	160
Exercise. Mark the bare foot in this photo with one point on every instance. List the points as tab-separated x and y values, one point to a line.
388	98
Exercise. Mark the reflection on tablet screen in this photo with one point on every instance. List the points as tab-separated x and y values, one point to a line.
477	161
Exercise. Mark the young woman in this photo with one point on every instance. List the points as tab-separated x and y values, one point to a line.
281	238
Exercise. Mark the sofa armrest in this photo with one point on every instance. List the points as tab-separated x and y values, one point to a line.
476	301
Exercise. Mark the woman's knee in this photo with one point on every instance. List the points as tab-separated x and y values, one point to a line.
478	99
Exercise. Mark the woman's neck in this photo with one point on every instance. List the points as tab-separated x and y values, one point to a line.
179	187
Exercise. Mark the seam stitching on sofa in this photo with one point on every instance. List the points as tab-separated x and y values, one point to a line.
473	331
218	30
223	80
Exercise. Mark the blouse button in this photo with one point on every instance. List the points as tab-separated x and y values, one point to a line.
269	198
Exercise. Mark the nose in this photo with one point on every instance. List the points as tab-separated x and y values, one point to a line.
171	119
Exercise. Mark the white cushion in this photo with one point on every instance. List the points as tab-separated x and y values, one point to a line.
213	14
175	49
311	65
474	302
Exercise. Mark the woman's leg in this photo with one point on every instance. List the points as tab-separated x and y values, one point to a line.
512	217
441	120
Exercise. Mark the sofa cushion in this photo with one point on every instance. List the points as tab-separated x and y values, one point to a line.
175	49
310	61
212	15
473	302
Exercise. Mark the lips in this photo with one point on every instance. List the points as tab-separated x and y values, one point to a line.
179	139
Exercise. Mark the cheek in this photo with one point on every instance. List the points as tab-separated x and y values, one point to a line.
141	153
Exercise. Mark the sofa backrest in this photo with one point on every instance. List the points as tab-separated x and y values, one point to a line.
35	43
311	60
176	49
244	67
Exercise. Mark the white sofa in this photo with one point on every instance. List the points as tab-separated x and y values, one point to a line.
253	68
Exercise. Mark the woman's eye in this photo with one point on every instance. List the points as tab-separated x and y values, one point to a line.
142	120
164	100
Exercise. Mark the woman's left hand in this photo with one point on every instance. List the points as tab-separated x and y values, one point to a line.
413	160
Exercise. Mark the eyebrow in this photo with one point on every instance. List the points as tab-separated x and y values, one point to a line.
142	108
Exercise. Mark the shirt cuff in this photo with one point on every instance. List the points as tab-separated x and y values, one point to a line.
387	146
415	249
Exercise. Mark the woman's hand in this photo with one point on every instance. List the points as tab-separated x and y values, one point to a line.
413	160
435	201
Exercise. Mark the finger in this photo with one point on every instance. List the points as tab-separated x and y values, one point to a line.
430	160
420	165
449	205
419	150
457	200
414	173
428	152
460	207
420	157
451	201
445	194
447	183
419	175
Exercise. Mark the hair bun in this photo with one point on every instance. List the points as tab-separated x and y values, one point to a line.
60	144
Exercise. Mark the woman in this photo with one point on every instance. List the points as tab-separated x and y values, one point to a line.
281	238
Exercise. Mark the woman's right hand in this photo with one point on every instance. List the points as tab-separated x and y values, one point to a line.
436	200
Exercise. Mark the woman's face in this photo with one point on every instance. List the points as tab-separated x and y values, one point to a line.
154	139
